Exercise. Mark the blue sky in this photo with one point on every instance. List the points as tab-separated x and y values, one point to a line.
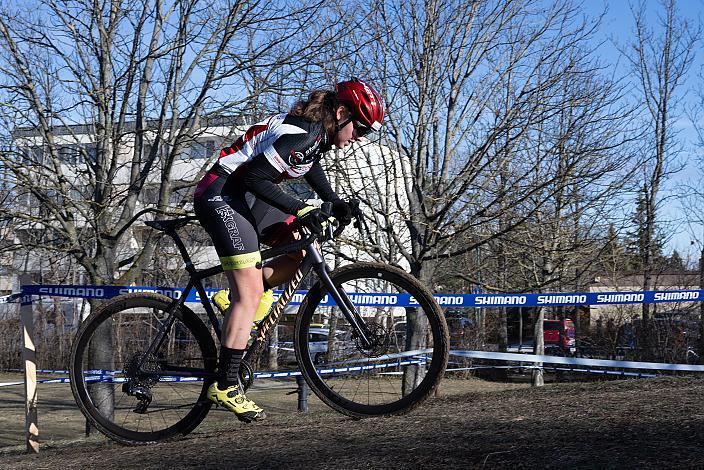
618	28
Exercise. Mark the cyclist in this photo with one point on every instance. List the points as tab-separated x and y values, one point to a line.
239	203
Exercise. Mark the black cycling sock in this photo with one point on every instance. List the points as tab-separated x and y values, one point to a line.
230	360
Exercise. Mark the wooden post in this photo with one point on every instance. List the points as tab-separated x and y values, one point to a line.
303	393
30	375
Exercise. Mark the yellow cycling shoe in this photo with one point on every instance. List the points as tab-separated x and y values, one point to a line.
221	299
232	399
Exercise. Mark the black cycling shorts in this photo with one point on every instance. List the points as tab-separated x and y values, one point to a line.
237	221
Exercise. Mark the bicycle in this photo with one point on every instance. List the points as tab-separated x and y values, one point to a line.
141	364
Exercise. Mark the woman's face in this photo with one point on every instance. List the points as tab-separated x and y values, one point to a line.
346	135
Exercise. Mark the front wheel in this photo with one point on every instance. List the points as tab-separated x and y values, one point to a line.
409	349
129	395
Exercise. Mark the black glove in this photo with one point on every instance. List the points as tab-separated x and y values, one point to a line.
312	218
342	211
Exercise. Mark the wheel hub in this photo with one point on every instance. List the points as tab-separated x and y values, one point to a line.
146	375
379	338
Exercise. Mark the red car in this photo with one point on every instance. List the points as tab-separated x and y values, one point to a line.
551	334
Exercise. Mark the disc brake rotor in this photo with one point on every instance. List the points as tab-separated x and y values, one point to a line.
380	340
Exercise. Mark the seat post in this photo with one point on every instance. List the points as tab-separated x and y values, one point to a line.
182	249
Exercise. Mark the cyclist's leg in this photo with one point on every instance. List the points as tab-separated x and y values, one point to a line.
229	222
246	290
276	228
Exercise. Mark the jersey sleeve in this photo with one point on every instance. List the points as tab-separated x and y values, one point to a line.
317	179
260	179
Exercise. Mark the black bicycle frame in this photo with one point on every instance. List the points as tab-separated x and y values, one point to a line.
312	260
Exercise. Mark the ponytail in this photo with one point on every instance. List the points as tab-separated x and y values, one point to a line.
319	107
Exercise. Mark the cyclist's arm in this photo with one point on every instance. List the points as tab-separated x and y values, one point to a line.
261	180
319	182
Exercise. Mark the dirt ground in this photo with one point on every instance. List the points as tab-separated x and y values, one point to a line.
644	423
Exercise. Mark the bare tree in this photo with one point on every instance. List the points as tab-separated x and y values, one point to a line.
692	197
103	103
499	123
660	60
455	124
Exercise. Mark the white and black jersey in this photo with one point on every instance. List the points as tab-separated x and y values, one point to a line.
290	144
281	147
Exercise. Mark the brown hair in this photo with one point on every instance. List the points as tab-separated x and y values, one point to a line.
320	106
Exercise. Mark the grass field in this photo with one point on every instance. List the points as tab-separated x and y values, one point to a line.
60	422
636	423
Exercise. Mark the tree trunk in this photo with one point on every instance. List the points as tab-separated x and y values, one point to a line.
416	339
538	348
273	349
701	307
503	329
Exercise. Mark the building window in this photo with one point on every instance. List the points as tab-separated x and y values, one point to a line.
198	150
90	152
178	195
78	154
33	155
150	194
69	154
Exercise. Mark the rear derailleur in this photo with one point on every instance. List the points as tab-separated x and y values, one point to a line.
140	380
142	392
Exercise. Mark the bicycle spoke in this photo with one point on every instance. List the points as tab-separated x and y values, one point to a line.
408	349
133	399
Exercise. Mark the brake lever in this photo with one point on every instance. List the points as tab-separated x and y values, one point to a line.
357	220
356	213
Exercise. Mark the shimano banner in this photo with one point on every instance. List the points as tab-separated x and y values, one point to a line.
401	300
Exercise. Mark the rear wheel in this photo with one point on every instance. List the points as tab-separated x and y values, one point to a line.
136	398
409	347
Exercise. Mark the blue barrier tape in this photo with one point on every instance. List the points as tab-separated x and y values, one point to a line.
6	299
415	358
273	375
109	376
603	372
560	369
400	300
578	361
38	371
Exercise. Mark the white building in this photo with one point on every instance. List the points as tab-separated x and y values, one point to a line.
368	171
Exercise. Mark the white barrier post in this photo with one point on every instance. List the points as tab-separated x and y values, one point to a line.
30	375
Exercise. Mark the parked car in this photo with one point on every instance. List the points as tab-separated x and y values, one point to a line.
559	334
462	329
317	345
672	338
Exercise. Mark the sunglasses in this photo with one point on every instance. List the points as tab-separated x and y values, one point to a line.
359	129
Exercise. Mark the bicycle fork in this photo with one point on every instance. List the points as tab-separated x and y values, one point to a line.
313	260
341	299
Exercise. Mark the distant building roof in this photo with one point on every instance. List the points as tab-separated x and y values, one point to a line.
83	129
667	279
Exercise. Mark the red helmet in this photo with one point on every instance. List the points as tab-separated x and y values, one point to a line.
364	103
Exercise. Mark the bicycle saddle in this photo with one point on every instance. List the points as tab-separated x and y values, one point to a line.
168	225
